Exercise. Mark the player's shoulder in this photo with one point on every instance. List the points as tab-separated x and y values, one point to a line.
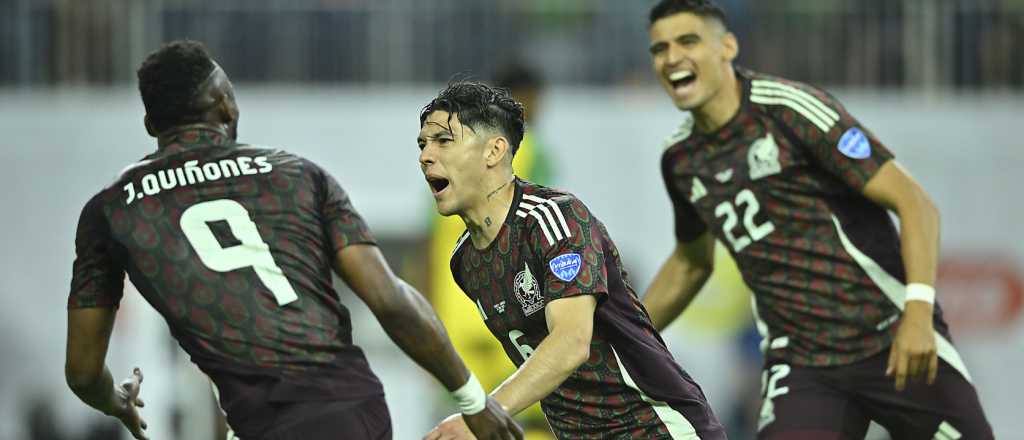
681	132
536	196
773	95
553	212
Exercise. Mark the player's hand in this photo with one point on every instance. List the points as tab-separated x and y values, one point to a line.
451	428
127	404
493	423
913	354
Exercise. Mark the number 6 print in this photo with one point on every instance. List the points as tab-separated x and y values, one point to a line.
253	252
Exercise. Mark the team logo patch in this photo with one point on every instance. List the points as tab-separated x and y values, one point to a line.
855	144
566	266
527	292
763	158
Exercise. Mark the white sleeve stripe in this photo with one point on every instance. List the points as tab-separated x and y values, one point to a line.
769	93
822	125
543	227
813	100
554	207
547	213
521	213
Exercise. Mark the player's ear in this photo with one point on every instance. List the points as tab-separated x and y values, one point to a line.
497	150
730	46
149	126
226	114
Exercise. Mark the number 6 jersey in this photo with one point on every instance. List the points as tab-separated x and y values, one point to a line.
551	247
780	186
234	246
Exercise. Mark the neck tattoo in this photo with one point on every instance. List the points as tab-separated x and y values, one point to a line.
496	190
487	221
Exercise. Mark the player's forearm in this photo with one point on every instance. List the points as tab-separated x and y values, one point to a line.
557	357
414	326
919	239
96	391
672	290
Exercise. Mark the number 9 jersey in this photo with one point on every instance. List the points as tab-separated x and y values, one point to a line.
233	245
780	185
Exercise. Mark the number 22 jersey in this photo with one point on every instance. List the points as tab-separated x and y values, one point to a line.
233	245
550	247
780	185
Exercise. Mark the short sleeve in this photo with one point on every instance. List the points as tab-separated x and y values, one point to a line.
569	246
688	225
344	226
833	137
97	278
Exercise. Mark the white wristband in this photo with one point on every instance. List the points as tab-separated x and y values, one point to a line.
920	292
470	397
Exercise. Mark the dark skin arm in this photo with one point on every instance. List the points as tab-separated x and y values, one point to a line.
411	322
89	378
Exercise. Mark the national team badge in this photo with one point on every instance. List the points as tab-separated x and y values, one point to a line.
763	158
527	292
566	266
855	144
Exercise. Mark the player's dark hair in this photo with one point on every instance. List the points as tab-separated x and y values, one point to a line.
169	80
701	8
480	105
518	76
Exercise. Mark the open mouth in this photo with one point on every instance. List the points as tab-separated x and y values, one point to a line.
437	184
682	78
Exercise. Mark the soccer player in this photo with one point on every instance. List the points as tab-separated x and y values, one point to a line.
800	193
548	282
234	245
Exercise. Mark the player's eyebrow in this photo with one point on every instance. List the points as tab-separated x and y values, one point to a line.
688	37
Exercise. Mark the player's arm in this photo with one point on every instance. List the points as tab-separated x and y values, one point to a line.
913	355
851	153
411	322
681	276
96	288
89	378
689	266
405	314
570	324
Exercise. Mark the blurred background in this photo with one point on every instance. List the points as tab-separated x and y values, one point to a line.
341	82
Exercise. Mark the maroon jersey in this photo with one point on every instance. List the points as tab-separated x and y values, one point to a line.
233	245
780	185
550	247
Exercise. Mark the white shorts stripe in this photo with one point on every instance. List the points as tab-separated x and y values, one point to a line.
678	426
822	125
775	93
947	432
811	99
897	292
555	208
547	213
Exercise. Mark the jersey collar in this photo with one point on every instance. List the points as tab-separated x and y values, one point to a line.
192	135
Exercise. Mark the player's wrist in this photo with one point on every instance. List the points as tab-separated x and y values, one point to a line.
470	397
920	292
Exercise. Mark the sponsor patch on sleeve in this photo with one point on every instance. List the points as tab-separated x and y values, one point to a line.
855	144
566	266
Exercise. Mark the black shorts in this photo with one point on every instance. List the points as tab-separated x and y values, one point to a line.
364	420
839	402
